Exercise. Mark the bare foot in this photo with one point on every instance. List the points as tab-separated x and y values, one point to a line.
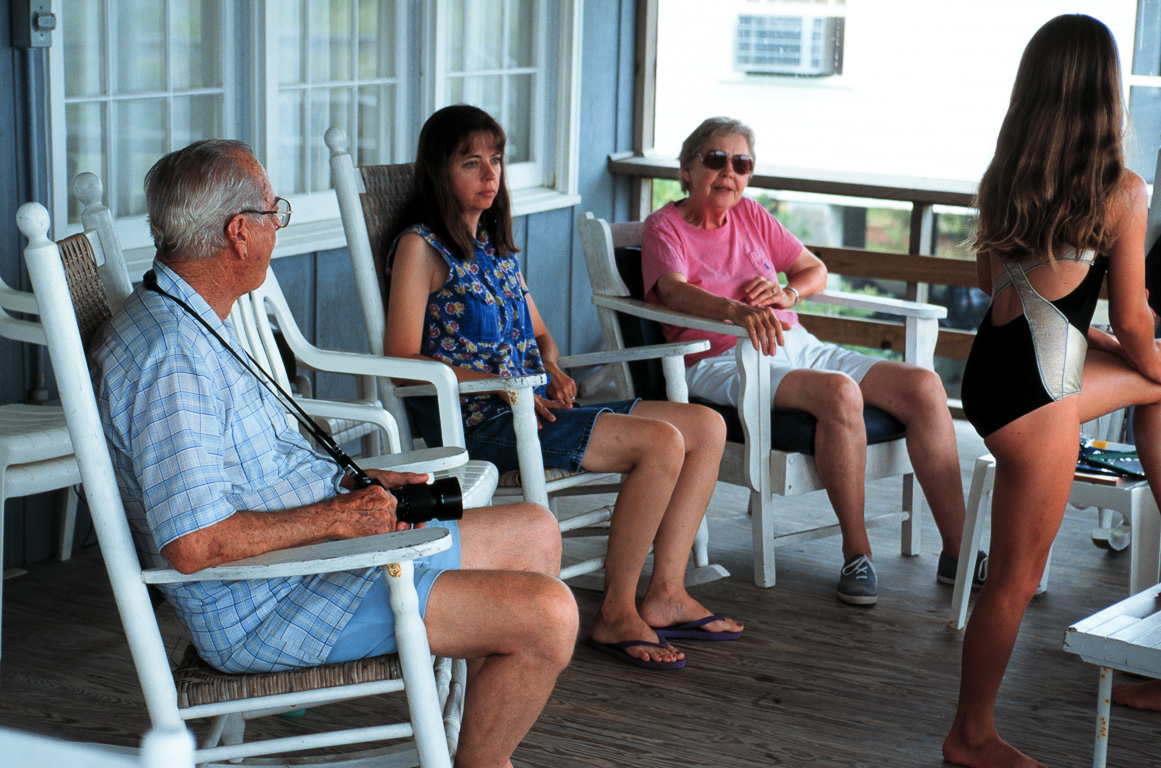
1145	695
665	610
990	753
609	627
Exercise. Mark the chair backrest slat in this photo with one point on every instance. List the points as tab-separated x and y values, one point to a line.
387	190
89	299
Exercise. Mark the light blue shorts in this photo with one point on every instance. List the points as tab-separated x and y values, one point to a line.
371	631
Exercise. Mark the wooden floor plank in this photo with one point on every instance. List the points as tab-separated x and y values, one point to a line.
813	682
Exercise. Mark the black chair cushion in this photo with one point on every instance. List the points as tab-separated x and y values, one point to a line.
791	431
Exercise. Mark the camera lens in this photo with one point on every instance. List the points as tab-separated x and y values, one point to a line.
442	500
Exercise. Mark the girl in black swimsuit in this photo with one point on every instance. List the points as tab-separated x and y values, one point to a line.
1055	195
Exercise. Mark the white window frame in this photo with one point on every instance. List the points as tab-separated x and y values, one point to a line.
316	224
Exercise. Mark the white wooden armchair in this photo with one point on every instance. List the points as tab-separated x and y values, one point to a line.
72	305
370	201
758	453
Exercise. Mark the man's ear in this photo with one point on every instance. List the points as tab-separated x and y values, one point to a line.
238	233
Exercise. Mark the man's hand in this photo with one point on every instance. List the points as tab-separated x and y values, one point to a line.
381	503
764	292
763	327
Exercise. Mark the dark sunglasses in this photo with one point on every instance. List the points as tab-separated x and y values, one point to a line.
716	159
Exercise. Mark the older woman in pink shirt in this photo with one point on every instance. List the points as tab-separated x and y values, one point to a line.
718	254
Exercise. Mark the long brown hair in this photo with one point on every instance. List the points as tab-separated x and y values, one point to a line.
447	133
1058	156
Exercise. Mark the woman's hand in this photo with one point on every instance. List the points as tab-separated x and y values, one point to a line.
561	386
764	292
760	323
544	408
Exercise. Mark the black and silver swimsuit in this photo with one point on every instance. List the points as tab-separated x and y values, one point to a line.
1038	357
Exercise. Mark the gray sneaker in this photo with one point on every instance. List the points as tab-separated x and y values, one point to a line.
857	582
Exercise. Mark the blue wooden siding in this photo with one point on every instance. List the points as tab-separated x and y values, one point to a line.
318	285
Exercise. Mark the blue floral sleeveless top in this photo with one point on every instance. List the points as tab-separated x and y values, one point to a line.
479	320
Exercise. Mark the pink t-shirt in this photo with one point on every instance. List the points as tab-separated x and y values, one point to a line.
720	261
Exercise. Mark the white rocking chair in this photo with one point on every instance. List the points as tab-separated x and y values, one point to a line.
73	304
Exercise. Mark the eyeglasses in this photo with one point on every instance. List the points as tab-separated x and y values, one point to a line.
716	159
281	211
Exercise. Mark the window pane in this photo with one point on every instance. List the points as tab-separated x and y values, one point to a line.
474	32
139	46
195	118
376	37
520	22
330	40
1147	55
482	91
141	140
289	170
84	54
518	118
288	32
1145	107
376	138
196	42
329	107
85	145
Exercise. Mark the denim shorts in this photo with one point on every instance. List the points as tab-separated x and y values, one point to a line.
563	442
371	630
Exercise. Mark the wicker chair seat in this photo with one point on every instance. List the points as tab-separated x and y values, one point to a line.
198	683
511	478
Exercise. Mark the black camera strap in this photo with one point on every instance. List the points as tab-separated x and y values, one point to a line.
345	462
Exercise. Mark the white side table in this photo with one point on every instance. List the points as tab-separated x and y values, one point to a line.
1125	636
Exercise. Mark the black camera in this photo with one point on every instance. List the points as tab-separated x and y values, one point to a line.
442	499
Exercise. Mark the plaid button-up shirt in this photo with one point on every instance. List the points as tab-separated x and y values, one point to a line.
195	437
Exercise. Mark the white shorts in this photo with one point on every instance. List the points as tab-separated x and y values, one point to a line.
717	380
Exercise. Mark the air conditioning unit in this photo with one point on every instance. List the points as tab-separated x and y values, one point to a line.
789	45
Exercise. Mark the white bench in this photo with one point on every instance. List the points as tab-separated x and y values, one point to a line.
1125	636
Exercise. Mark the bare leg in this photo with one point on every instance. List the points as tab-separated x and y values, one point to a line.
1146	695
513	537
1035	456
703	436
655	455
1110	384
520	629
916	397
840	445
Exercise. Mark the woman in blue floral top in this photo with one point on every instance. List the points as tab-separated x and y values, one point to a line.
456	295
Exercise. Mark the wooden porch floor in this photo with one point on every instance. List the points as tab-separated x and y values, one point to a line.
813	682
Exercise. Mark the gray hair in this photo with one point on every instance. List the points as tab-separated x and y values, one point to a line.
192	193
710	128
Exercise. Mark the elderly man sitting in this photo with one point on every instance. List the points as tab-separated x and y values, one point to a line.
717	254
210	473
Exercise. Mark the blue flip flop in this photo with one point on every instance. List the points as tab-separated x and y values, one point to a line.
617	651
694	630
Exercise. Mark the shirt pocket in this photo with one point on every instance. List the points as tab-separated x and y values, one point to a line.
483	322
762	262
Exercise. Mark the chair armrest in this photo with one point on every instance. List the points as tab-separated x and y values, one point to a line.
364	412
882	304
328	557
661	314
427	460
498	384
649	352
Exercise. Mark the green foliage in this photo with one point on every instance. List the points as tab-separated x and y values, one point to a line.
665	191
